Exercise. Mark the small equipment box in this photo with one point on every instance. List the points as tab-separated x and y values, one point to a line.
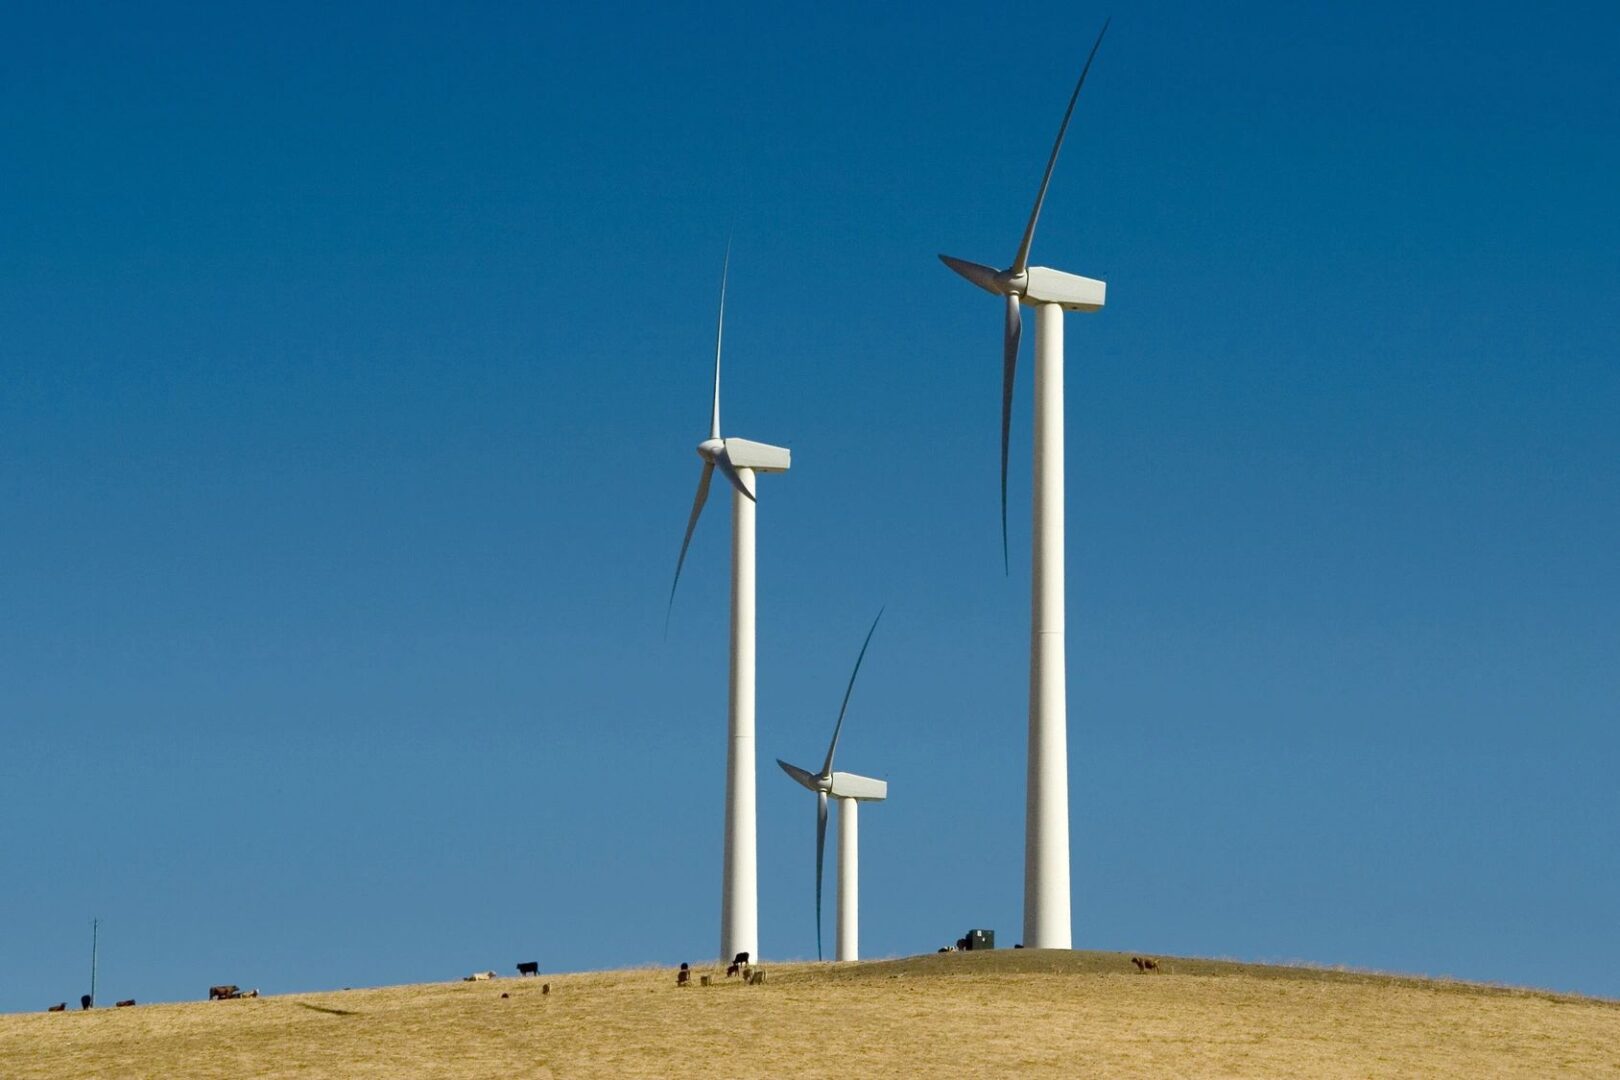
981	939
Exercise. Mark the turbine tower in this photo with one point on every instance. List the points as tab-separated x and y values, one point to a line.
739	460
1050	293
850	790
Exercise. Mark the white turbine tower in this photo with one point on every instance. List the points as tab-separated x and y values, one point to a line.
739	460
1050	293
850	790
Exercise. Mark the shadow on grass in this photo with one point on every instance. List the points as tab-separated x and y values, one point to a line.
325	1009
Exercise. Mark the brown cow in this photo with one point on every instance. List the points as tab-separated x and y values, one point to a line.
126	1003
60	1006
220	993
1144	964
684	977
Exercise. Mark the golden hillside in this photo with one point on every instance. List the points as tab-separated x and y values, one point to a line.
1006	1013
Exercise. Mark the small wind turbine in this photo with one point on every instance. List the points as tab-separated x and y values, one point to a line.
738	460
850	790
1050	292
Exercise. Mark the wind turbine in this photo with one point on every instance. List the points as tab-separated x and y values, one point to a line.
1050	292
850	790
738	461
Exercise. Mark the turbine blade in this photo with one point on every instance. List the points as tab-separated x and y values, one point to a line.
723	460
985	277
826	768
1022	261
804	776
686	541
719	335
1012	327
821	851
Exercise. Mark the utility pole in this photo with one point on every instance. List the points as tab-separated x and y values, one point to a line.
95	932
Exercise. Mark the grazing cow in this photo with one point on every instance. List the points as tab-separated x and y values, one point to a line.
220	993
85	1001
738	963
757	978
60	1006
126	1003
479	976
684	978
530	968
1144	964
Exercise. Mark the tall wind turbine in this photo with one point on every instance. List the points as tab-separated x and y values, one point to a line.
1050	293
850	790
738	460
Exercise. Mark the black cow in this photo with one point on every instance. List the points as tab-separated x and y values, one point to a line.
85	1001
684	977
738	962
124	1004
60	1006
530	968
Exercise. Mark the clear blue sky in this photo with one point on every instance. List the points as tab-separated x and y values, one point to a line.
351	365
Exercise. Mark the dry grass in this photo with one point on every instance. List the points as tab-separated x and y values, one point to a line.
1007	1013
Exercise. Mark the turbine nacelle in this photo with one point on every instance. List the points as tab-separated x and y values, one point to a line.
1034	285
1071	292
838	785
847	785
761	457
747	454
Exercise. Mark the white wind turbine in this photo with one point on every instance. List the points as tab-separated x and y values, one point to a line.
850	790
739	460
1050	293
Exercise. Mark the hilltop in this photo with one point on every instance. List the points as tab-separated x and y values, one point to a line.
1002	1013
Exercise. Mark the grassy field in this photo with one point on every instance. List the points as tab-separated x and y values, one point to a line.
1006	1013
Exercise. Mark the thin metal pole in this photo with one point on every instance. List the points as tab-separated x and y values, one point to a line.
739	896
1046	844
95	933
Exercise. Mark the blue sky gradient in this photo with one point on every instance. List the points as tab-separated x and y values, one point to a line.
351	365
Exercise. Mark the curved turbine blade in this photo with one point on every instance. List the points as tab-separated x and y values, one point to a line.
1022	261
691	523
821	851
1012	327
803	776
719	334
723	460
985	277
826	768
